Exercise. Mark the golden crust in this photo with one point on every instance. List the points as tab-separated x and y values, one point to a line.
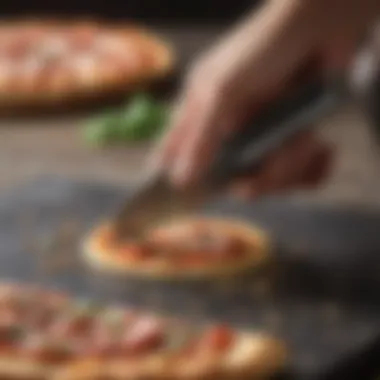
252	357
98	257
14	367
64	91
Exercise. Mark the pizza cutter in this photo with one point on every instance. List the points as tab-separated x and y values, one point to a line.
156	198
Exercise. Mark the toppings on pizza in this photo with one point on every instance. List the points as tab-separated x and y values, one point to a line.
123	343
145	335
186	245
116	317
84	68
53	46
136	251
72	326
10	332
81	37
40	317
44	348
218	338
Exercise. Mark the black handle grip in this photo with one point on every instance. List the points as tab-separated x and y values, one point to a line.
293	113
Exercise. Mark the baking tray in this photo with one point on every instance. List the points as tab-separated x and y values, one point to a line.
321	296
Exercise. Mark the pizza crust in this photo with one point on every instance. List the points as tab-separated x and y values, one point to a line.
259	355
253	357
12	367
64	89
97	256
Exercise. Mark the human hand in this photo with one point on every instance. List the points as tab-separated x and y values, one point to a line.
253	64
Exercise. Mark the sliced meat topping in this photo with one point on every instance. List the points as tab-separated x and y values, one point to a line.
145	335
217	339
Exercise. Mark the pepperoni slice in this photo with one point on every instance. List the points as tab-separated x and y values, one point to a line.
217	338
144	336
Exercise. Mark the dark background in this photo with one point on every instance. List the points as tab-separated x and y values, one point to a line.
199	11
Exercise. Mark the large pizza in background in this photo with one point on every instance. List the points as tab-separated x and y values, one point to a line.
52	62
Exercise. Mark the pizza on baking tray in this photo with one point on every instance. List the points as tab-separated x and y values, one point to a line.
48	335
52	61
192	248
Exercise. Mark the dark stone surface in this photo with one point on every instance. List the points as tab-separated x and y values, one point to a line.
322	295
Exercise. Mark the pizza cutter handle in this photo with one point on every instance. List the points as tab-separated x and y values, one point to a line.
296	112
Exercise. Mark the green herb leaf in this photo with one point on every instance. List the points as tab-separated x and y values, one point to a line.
141	119
101	130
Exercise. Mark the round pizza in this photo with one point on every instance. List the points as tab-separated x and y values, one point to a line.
53	62
191	248
45	335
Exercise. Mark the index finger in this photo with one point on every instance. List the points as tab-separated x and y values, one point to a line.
204	135
166	148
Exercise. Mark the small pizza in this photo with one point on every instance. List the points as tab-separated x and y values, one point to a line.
47	335
193	248
47	61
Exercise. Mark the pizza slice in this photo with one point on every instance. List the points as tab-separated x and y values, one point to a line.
45	335
193	248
